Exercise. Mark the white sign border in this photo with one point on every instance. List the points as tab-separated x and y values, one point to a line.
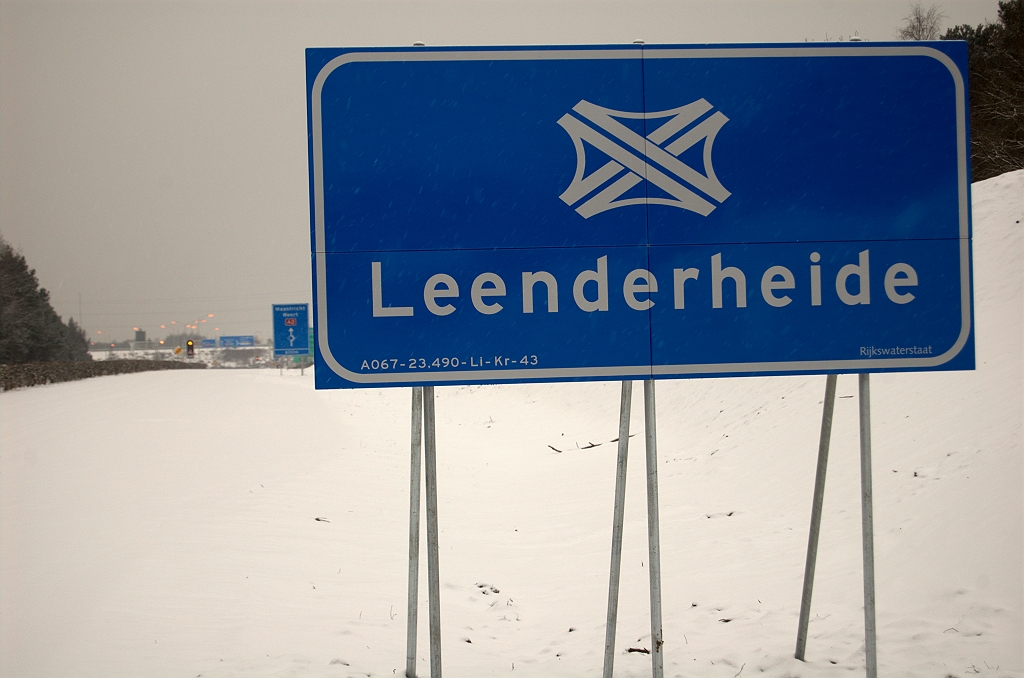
637	371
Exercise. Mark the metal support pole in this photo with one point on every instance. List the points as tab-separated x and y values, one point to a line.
819	498
433	577
414	531
620	505
867	527
653	535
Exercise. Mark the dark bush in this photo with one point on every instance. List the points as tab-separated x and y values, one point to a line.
35	374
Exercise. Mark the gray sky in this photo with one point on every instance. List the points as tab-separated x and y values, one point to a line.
153	154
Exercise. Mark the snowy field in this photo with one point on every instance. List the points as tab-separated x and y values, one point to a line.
165	523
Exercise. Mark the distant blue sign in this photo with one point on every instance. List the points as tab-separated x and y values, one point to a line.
209	343
291	329
239	341
541	214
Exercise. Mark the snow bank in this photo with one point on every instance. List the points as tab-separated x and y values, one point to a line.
167	523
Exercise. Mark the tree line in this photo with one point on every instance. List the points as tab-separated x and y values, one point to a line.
995	64
30	330
995	54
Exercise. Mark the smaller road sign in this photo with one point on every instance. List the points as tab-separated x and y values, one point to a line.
289	320
238	341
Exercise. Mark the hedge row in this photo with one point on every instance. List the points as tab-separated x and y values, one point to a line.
34	374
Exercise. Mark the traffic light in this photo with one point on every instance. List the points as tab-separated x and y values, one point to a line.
190	348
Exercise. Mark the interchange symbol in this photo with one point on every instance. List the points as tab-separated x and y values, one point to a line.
658	161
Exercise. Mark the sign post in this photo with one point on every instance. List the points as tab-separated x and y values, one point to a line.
414	531
433	566
824	441
867	525
653	531
625	404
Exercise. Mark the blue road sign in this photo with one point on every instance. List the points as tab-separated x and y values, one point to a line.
291	329
529	214
208	343
237	341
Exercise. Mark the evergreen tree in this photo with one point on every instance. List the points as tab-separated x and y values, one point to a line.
30	330
76	343
995	54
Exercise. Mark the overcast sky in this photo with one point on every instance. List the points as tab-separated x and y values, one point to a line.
153	157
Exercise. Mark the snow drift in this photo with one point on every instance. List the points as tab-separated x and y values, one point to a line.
232	522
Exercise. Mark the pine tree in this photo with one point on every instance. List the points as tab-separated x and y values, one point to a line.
995	54
30	330
76	343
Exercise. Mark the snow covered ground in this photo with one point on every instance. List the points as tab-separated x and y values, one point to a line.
165	523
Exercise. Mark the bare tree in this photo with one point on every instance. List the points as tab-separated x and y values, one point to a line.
921	23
